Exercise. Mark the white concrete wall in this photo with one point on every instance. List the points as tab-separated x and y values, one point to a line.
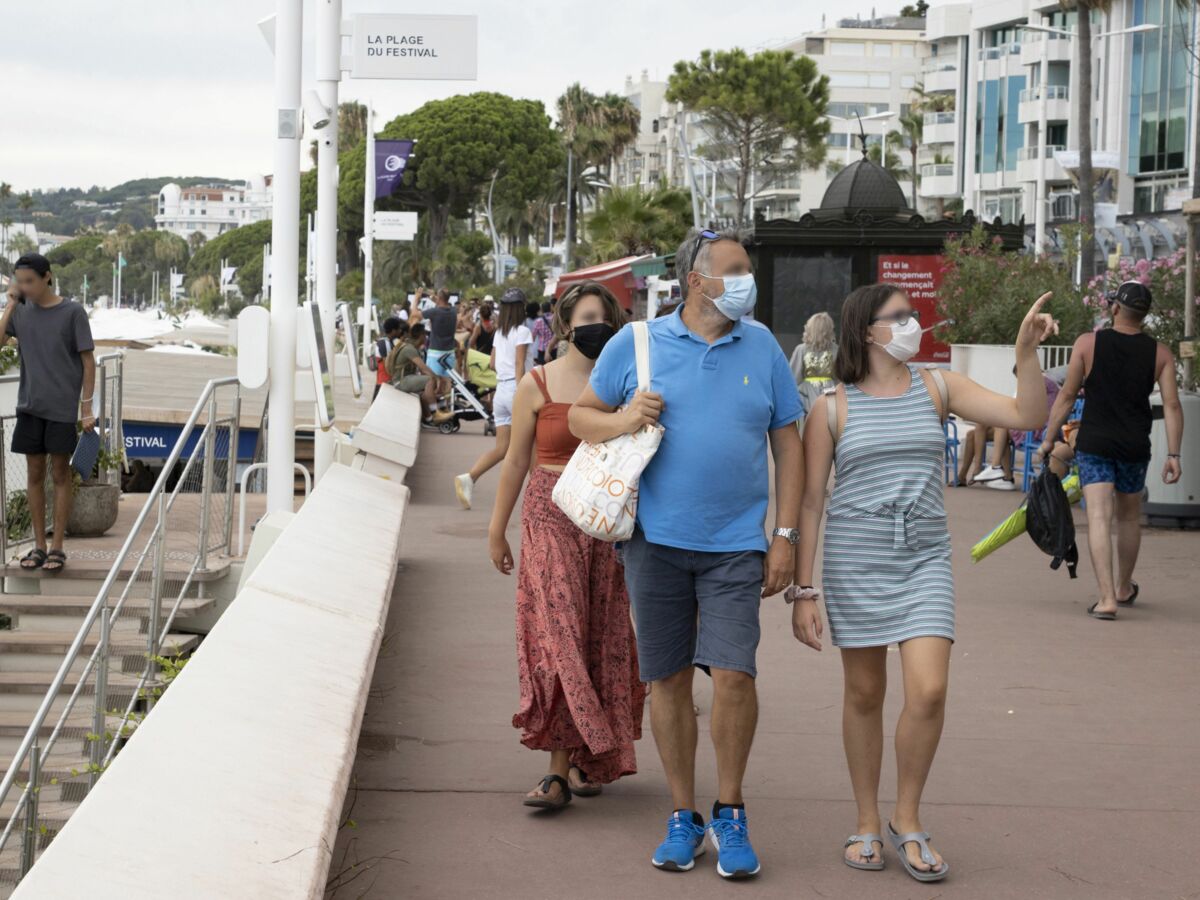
233	786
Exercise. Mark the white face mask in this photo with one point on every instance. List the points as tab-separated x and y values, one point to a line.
906	340
739	296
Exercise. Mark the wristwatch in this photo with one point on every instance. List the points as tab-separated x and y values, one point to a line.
792	535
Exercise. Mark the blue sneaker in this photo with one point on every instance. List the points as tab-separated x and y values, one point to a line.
731	837
685	841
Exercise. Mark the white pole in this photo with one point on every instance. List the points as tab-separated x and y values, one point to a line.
368	229
285	247
114	289
324	264
1039	234
570	218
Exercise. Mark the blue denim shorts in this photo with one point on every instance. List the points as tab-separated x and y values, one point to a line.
692	607
1126	477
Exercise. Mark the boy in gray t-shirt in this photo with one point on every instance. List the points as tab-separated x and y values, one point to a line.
58	375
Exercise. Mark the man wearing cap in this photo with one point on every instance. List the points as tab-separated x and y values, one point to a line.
58	374
1117	367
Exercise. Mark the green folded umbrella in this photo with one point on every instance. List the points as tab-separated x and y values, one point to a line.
1014	525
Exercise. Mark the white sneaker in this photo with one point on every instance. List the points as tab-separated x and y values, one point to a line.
463	485
989	473
1002	484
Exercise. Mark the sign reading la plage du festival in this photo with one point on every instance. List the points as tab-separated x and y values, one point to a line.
417	46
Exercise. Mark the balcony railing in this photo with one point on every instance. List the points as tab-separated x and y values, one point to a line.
937	170
1032	37
986	53
939	64
1053	92
1032	152
939	118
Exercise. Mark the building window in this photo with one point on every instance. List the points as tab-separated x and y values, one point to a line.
881	49
847	48
880	80
848	79
908	81
814	46
850	110
1158	84
1056	135
906	50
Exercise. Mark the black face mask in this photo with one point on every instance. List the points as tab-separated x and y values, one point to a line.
590	339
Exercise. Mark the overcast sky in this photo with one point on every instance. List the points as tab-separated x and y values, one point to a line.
102	92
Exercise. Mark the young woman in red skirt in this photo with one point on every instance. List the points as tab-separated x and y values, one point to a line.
581	699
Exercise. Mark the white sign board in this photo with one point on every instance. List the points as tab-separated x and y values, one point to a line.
395	226
424	47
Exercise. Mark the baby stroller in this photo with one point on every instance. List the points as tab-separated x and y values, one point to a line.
470	397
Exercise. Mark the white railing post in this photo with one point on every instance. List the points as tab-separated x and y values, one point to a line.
99	720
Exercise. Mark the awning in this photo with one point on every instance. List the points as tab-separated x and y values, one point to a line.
615	275
655	265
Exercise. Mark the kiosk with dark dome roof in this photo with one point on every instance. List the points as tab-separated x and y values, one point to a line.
808	266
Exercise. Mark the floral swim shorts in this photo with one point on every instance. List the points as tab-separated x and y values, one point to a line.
1126	477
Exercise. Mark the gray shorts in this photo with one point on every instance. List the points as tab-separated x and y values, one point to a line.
692	607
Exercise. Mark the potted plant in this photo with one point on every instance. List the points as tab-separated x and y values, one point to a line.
984	296
95	508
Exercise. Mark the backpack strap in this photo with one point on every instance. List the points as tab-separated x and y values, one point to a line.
939	382
831	411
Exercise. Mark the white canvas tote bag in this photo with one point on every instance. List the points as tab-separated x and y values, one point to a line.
598	490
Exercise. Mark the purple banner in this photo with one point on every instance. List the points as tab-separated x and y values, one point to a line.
390	159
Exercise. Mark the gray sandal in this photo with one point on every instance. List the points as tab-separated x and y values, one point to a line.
869	841
920	838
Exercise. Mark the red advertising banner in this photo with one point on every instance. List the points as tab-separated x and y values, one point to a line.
920	276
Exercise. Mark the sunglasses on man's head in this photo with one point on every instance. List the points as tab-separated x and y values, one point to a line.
705	235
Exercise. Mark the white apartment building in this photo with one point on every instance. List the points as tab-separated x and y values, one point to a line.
980	149
873	68
997	69
212	209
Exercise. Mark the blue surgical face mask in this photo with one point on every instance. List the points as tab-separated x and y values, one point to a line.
739	297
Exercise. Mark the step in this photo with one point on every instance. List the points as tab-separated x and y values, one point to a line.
79	604
97	569
39	612
24	691
56	643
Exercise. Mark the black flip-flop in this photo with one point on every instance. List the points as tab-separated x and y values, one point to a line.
1132	597
37	555
55	560
1106	616
563	798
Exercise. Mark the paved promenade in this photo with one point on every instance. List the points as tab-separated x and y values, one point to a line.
1068	766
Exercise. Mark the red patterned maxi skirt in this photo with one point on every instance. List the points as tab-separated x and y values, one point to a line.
575	645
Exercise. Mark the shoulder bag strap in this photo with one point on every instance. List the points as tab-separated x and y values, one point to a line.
641	348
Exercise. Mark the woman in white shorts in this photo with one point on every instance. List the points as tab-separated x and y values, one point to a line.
510	350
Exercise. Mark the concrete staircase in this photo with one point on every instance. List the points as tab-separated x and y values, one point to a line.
46	611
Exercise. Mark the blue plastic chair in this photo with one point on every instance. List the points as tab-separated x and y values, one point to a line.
950	430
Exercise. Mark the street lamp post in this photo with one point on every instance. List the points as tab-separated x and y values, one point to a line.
492	228
285	244
1039	233
328	72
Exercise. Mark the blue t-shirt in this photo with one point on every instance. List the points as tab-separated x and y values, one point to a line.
707	487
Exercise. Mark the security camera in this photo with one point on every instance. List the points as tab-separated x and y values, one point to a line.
315	111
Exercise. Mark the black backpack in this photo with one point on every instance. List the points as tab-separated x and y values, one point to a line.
1049	521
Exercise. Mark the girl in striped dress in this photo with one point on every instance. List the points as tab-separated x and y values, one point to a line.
886	571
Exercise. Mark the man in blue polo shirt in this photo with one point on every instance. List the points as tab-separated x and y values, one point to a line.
699	562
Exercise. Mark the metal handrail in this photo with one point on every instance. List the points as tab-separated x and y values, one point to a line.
157	498
1053	92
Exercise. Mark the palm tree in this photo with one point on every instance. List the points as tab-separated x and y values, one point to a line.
25	201
6	192
631	221
196	240
1087	177
912	129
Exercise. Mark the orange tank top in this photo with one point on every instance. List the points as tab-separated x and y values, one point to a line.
554	440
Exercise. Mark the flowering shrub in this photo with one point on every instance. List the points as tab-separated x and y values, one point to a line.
986	292
1166	278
